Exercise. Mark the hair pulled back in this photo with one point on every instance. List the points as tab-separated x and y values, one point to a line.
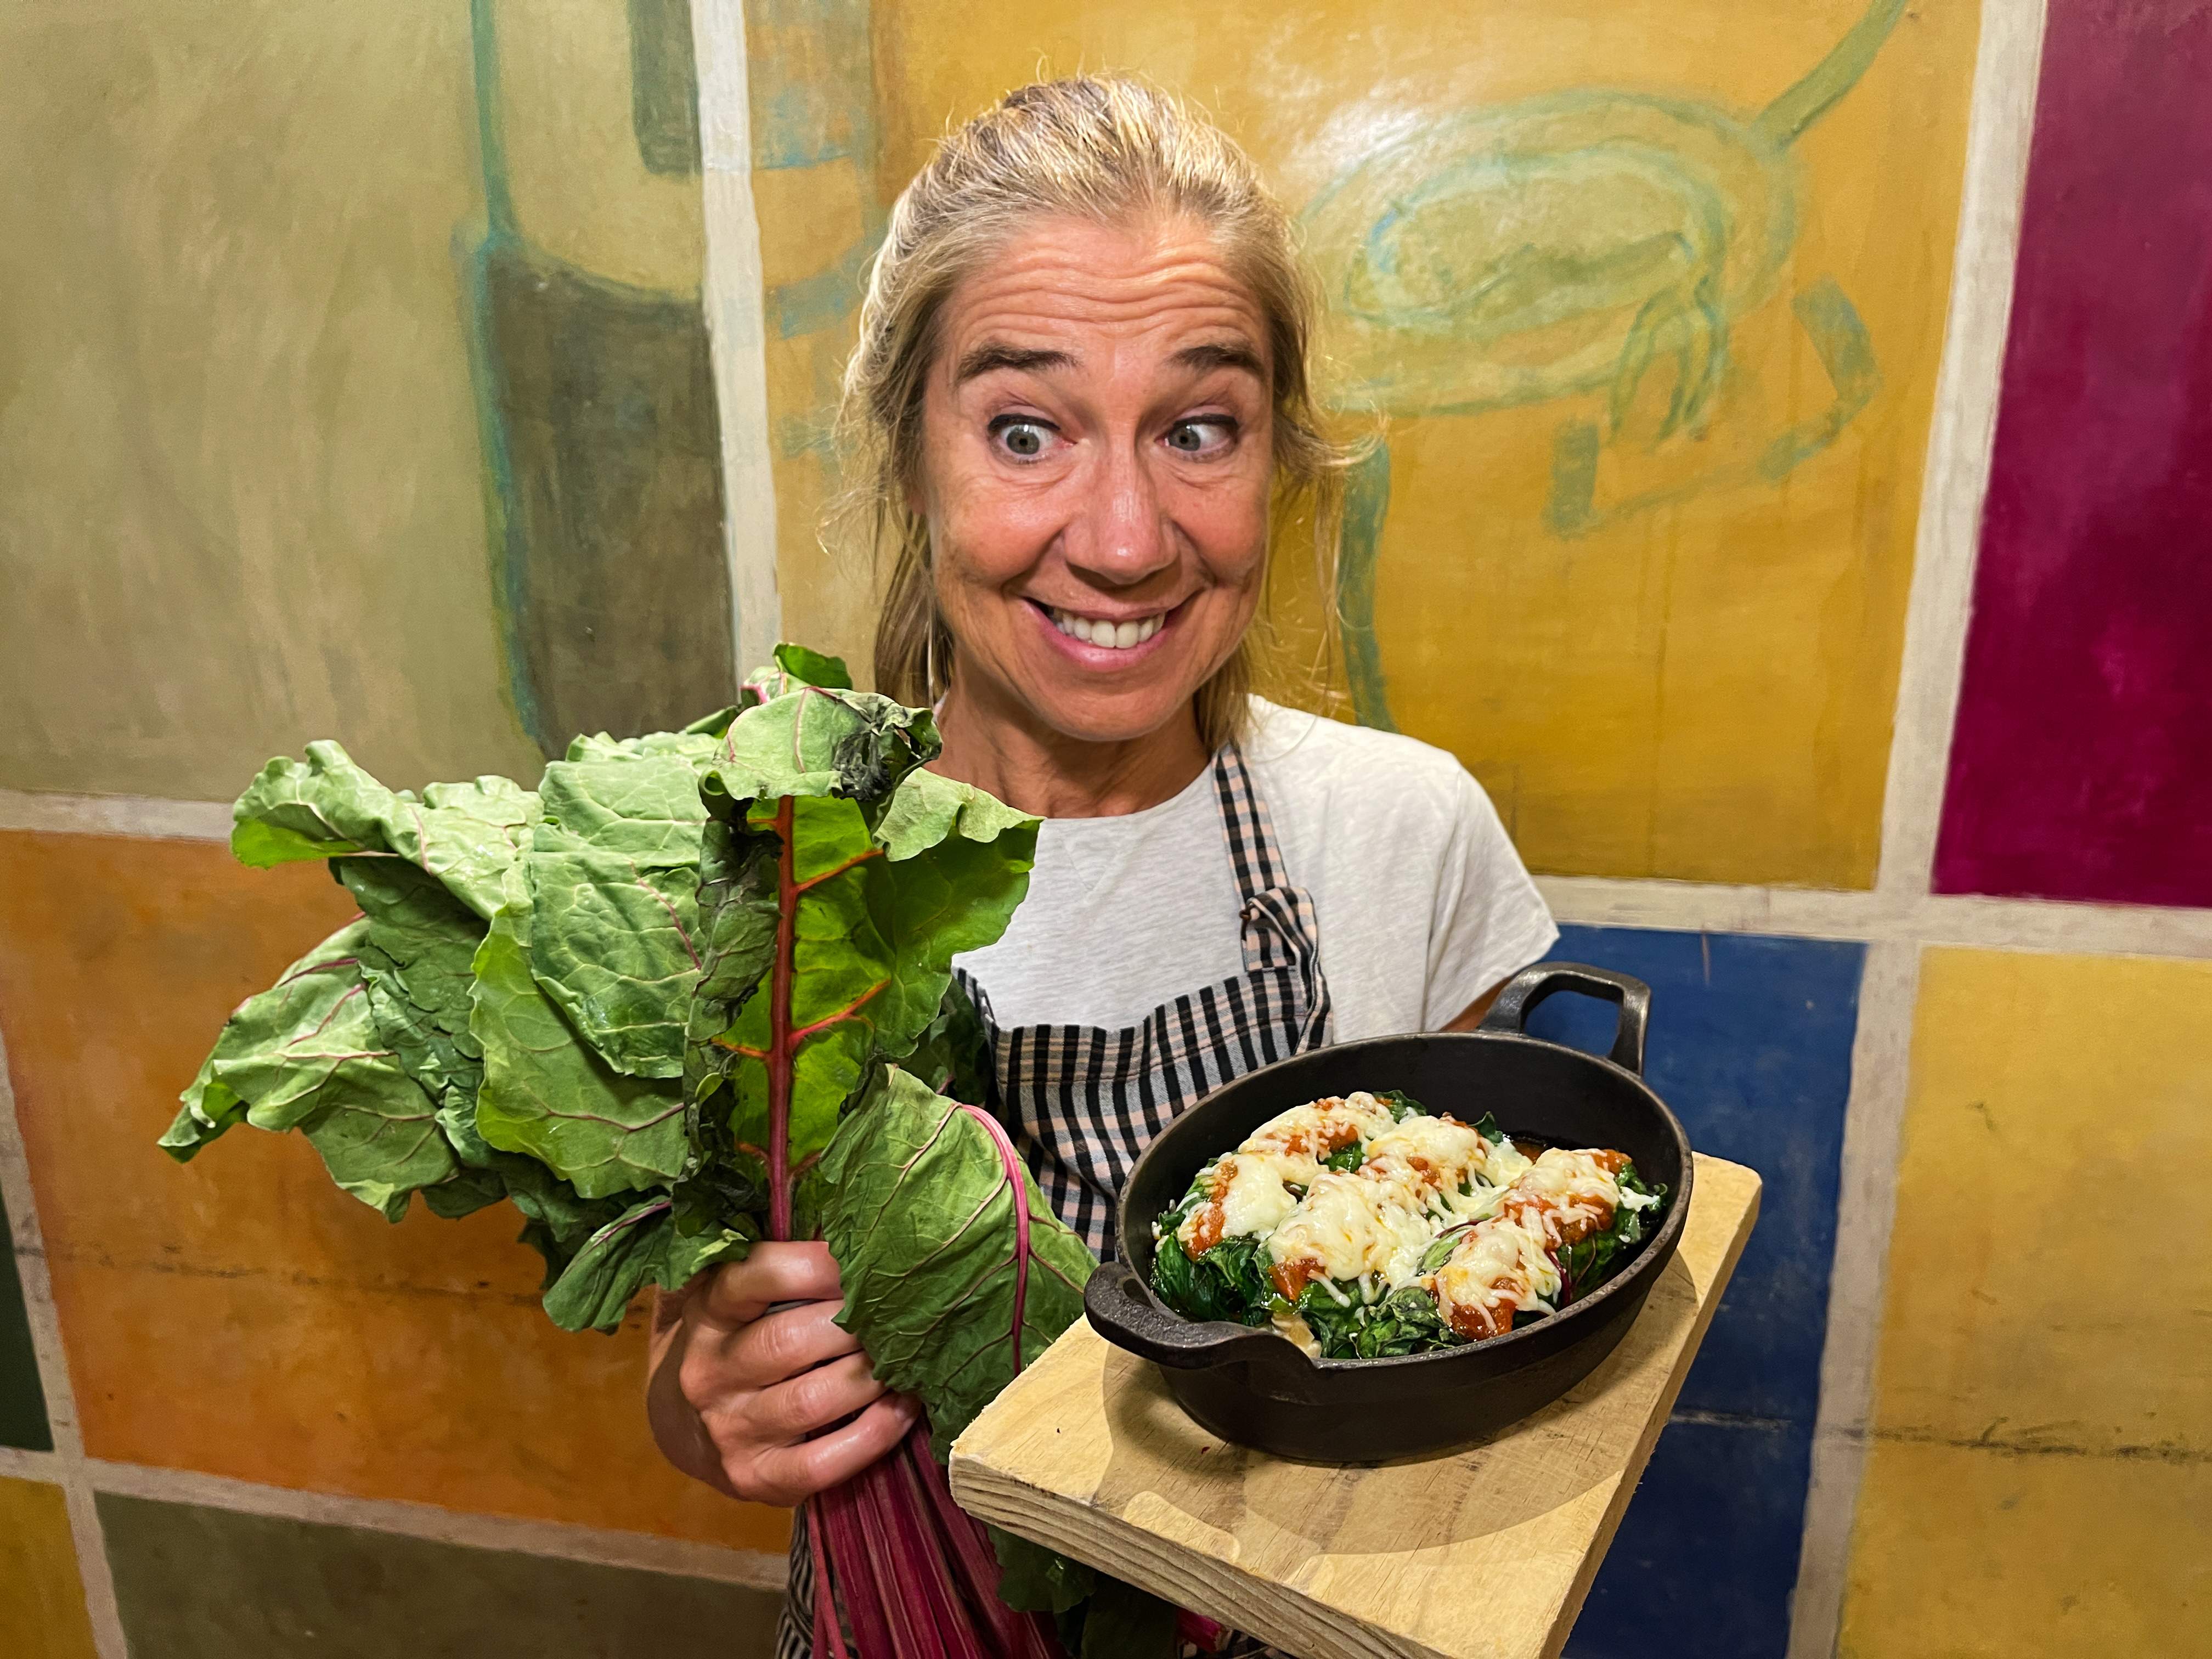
1108	149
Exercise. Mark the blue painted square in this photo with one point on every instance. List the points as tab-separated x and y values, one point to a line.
1706	1557
1750	1043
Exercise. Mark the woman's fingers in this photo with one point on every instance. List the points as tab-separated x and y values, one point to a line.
739	1292
785	1343
812	1466
794	1409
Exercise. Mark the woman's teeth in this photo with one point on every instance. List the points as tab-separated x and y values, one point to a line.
1114	636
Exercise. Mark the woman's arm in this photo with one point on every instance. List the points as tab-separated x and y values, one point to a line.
1470	1016
738	1397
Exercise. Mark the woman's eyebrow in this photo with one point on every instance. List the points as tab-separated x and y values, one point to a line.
992	355
1222	354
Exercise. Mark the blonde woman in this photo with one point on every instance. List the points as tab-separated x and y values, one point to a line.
1082	391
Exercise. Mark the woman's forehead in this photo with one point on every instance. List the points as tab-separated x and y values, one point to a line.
1078	290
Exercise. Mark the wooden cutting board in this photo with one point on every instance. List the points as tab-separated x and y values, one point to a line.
1483	1555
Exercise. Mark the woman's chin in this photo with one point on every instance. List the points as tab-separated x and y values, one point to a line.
1092	713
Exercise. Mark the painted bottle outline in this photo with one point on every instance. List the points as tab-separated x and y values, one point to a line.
600	444
1680	218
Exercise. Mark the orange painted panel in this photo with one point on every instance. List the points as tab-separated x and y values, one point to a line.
241	1315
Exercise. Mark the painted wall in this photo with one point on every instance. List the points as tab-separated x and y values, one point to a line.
356	382
381	348
353	381
1660	290
2080	770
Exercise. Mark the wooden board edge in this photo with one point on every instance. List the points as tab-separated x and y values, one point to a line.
1631	1472
1085	1539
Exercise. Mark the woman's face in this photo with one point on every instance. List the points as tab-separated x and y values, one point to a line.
1097	443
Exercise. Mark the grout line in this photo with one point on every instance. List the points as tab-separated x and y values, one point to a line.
65	1463
16	1464
1960	437
1593	901
115	815
1874	1126
734	296
1880	917
599	1547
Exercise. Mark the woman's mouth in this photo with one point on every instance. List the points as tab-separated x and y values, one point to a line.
1106	635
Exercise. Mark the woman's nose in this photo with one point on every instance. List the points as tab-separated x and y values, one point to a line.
1122	533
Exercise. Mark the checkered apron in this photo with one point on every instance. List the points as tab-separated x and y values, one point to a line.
1082	1103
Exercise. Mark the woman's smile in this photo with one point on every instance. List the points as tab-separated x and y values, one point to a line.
1107	641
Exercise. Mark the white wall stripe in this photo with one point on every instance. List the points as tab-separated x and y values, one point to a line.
116	815
1593	901
66	1463
1889	990
1807	913
2000	124
757	1569
734	300
17	1465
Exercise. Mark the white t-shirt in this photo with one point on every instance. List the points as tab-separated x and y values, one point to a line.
1422	903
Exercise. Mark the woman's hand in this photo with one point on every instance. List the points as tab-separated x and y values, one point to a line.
736	1390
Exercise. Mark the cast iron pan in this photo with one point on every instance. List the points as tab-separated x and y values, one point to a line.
1254	1387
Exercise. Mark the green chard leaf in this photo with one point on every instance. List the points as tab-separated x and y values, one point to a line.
464	834
642	1246
838	881
614	877
550	1096
956	1273
307	1055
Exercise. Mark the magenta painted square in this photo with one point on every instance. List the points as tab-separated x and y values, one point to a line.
2082	766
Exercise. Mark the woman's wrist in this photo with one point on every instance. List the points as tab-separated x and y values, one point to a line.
676	1426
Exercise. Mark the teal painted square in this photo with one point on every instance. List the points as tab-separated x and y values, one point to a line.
22	1398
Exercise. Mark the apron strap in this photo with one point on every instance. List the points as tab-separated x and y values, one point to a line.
1280	929
1244	822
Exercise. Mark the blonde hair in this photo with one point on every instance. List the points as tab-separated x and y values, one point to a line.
1108	149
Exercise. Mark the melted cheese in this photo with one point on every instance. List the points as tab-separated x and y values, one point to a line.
1500	1266
1505	1264
1358	1224
1254	1188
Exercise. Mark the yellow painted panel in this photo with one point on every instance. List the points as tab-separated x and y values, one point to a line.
2043	1410
1651	300
245	505
42	1598
1975	1554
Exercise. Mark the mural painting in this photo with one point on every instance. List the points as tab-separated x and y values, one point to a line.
1588	242
359	386
596	387
1643	310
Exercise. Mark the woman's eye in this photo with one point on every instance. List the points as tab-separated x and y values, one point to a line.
1200	437
1023	439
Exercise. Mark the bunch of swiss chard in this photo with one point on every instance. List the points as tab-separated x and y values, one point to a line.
693	992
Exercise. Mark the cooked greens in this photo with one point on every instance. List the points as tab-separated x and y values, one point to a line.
1365	1237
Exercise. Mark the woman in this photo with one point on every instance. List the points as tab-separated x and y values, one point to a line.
1082	388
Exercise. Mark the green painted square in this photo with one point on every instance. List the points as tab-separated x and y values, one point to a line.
23	1401
204	1584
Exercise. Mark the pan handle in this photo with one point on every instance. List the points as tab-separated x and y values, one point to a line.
1531	984
1123	1311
